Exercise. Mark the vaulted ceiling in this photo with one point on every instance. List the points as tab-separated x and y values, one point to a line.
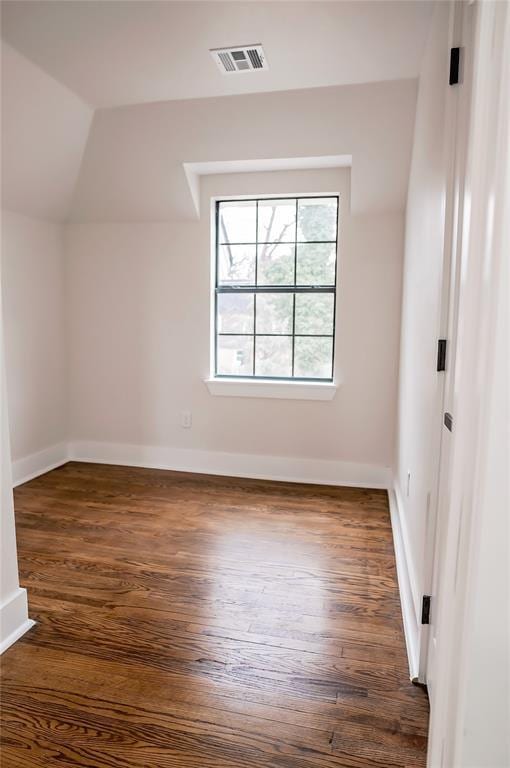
45	128
341	82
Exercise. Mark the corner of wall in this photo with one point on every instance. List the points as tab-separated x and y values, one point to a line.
14	621
39	463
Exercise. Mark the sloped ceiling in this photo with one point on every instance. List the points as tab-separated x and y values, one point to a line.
133	167
44	133
131	163
119	52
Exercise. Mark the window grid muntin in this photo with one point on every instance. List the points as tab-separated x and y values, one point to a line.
294	295
256	289
256	283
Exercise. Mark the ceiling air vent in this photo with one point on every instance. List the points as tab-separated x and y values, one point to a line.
244	58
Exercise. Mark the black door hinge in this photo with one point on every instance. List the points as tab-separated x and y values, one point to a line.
448	421
441	354
454	66
425	610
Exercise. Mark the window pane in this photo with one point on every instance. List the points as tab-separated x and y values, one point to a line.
235	355
276	264
317	218
316	264
236	265
235	313
274	313
237	222
313	358
314	313
276	245
273	356
277	221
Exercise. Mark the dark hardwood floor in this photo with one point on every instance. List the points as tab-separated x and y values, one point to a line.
203	622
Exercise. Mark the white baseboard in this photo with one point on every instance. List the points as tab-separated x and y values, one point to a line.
283	468
416	592
14	621
36	464
296	470
406	584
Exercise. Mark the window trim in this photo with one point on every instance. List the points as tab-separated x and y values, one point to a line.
327	383
282	389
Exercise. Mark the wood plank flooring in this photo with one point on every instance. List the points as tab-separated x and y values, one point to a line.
203	622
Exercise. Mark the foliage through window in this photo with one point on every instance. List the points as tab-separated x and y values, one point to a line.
276	288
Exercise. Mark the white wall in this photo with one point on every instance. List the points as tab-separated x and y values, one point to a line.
44	132
138	312
34	328
421	304
13	600
136	345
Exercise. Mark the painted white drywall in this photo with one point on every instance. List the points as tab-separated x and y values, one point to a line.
421	303
485	735
138	314
134	331
133	165
13	599
35	332
44	132
115	53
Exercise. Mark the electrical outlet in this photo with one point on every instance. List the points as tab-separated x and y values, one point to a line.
408	483
186	419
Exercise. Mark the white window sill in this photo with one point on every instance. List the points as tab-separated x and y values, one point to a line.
284	390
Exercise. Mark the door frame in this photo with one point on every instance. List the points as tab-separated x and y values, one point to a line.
484	230
456	137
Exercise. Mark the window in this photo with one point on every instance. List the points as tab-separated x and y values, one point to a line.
275	288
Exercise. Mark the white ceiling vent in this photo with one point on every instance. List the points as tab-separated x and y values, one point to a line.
244	58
